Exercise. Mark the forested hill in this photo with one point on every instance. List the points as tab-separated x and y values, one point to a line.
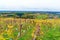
30	14
51	12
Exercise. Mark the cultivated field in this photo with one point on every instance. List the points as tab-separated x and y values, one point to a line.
29	29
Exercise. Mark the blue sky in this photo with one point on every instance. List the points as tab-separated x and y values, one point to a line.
30	5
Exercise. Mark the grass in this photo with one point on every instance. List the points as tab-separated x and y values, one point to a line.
49	29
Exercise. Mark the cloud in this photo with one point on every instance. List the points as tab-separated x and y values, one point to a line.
51	5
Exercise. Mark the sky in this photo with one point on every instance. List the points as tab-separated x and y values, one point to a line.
30	5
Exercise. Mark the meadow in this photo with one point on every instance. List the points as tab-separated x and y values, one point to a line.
29	29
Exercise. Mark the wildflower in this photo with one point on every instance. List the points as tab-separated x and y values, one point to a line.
9	31
41	33
10	26
33	35
1	37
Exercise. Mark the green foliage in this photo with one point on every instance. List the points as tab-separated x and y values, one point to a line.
28	16
42	16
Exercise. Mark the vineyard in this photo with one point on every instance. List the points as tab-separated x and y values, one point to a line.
29	29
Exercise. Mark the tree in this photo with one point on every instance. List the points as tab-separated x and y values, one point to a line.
42	16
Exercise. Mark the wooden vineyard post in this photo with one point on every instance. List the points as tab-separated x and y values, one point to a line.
25	20
11	21
37	32
1	28
20	29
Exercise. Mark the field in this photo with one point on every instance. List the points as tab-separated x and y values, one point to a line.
29	29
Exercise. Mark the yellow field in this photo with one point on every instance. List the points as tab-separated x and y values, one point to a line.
11	23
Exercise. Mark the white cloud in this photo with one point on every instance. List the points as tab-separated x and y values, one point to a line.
53	5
